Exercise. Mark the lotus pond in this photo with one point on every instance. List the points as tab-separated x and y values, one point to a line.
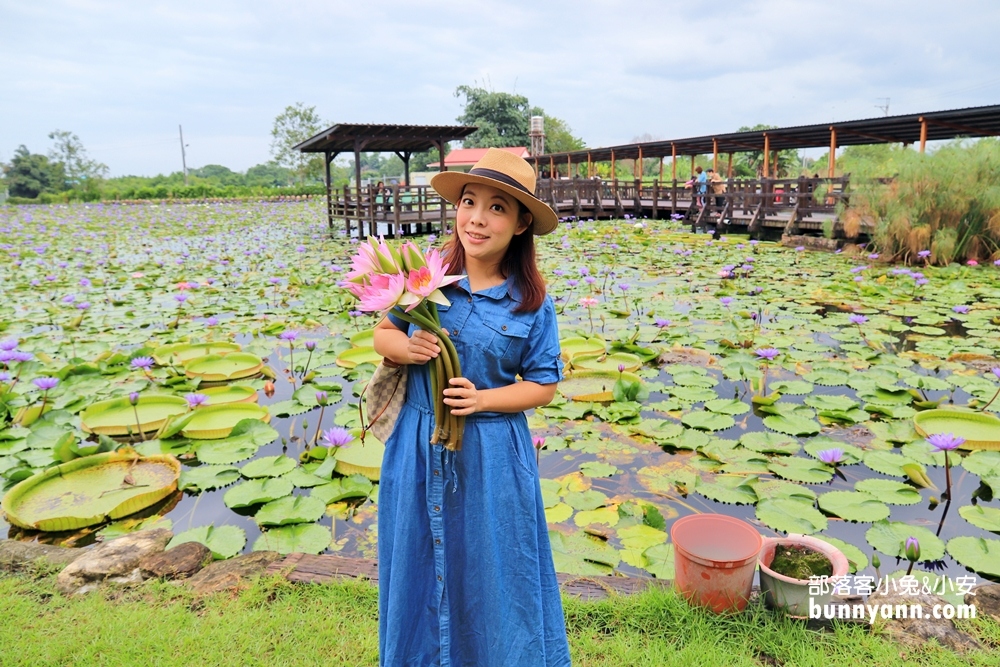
707	376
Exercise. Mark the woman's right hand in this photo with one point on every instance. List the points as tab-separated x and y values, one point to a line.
422	347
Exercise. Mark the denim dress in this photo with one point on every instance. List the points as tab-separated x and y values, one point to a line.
465	568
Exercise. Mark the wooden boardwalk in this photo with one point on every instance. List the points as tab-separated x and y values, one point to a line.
327	568
757	207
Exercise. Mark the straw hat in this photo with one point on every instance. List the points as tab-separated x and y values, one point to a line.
503	171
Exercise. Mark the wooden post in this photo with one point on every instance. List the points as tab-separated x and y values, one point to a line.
715	155
614	175
347	211
774	163
637	166
442	167
405	157
396	225
536	169
590	166
729	169
767	156
833	151
569	166
357	165
660	179
329	194
673	160
692	170
552	167
923	134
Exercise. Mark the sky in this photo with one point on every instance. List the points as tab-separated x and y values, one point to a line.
124	75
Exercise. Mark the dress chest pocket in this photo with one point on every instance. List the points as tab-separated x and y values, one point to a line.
504	338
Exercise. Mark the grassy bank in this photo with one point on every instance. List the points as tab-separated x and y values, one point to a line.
277	623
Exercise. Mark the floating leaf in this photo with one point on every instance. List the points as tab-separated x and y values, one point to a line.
257	491
729	406
888	491
583	554
769	443
791	516
890	538
736	489
856	558
597	469
206	477
707	421
888	463
268	466
659	561
987	518
290	509
309	538
223	541
791	387
801	470
976	553
354	486
779	488
853	506
604	515
586	500
792	425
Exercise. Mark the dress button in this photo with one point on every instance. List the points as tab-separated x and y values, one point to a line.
437	541
504	327
437	508
454	332
470	299
437	472
439	577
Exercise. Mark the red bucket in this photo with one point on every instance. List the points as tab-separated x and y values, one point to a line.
715	557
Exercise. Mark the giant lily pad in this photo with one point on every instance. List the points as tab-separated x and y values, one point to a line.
290	509
91	490
593	386
980	430
309	538
853	506
218	368
577	345
223	541
230	393
118	416
356	458
358	355
607	362
181	353
890	537
217	421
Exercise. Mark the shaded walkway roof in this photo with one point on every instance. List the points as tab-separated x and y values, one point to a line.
348	138
937	125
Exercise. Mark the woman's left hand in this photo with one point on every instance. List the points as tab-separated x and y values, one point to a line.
462	397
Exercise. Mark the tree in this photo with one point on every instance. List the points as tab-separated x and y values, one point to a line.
752	163
78	167
293	126
502	118
219	175
30	174
268	175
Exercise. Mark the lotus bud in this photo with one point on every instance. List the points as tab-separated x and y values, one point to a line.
538	442
269	389
912	549
310	345
133	398
876	563
321	397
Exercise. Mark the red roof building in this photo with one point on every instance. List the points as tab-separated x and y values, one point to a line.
461	159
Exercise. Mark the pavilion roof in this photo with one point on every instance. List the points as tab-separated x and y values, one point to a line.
348	137
969	122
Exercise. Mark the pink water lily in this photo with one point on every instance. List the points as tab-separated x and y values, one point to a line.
426	282
382	293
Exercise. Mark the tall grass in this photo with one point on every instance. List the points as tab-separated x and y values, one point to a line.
947	202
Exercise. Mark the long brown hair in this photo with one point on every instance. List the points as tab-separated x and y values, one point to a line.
519	261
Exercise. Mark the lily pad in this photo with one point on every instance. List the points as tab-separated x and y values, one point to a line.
90	490
217	368
769	443
607	362
987	518
582	554
230	393
223	541
729	489
980	430
593	386
355	486
309	538
707	421
218	421
290	509
791	516
799	469
181	353
268	466
358	355
257	491
206	477
853	506
360	459
792	425
890	538
979	554
730	406
577	345
118	416
889	491
856	558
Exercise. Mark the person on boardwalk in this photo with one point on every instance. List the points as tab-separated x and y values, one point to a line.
466	575
700	185
717	184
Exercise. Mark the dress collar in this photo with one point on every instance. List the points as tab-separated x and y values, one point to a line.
497	292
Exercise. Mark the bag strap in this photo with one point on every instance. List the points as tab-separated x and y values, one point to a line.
361	413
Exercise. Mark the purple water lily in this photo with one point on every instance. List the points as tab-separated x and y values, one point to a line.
767	353
45	383
8	344
858	319
337	437
960	309
142	363
194	400
726	301
831	456
944	442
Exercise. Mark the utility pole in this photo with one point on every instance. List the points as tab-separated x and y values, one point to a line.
183	156
883	107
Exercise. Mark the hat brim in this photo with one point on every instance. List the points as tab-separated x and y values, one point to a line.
449	184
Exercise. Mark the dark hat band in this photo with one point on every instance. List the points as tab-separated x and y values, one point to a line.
500	176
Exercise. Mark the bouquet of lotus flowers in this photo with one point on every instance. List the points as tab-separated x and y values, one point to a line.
407	283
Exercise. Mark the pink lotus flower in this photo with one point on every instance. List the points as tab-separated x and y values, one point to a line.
426	282
383	293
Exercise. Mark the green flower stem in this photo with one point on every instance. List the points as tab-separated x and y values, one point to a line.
988	404
437	407
319	426
308	360
138	426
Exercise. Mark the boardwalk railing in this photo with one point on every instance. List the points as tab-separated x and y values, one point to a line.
789	204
